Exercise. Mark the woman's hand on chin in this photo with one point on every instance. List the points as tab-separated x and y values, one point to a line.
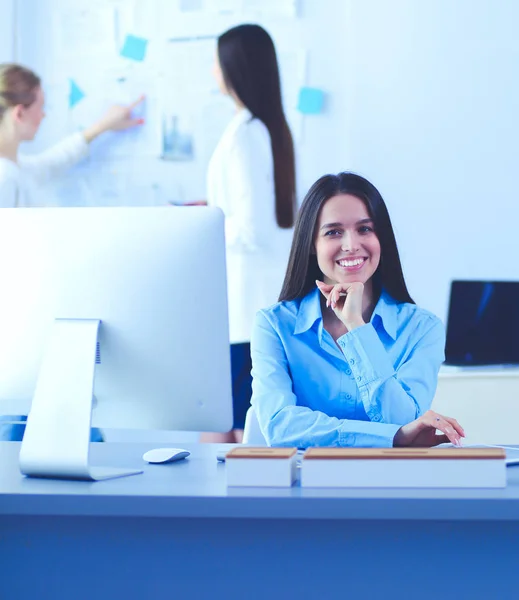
345	299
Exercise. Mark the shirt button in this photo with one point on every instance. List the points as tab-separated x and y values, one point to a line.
359	378
348	371
348	396
376	418
352	361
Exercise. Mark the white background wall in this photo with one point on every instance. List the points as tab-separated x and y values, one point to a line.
422	98
435	125
7	30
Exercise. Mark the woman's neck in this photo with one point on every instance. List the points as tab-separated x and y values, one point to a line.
238	104
9	147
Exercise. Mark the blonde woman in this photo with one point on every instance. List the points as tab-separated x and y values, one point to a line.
22	103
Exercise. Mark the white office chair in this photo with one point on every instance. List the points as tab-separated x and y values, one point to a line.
251	432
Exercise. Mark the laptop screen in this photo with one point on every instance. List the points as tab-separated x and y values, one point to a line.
483	323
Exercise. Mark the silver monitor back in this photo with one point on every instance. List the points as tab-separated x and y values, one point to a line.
156	279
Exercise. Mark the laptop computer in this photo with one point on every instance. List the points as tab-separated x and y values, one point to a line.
483	324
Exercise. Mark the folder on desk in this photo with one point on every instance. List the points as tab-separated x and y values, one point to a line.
404	467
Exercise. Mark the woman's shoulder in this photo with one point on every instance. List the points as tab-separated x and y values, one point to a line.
9	183
251	131
9	170
281	313
412	315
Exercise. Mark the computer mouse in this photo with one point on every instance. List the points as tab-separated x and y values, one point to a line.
165	455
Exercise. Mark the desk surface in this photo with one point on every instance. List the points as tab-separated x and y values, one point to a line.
483	372
196	487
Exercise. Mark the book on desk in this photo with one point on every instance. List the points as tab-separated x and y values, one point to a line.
261	466
404	467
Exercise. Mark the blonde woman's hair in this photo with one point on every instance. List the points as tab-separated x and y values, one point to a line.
18	85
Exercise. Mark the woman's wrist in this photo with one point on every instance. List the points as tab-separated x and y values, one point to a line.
95	130
354	323
397	440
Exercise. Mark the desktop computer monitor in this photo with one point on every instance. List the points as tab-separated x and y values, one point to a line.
483	323
123	310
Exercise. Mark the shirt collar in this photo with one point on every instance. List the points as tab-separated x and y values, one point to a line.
310	311
386	312
241	116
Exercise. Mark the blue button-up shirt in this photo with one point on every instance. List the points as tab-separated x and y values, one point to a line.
309	390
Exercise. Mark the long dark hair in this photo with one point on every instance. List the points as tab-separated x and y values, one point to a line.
303	270
249	66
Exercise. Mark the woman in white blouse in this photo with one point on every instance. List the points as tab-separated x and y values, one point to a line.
21	113
251	177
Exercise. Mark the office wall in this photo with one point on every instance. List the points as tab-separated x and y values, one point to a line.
435	126
7	28
422	98
115	178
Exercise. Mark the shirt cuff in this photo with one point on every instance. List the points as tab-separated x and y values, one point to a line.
366	355
81	147
364	434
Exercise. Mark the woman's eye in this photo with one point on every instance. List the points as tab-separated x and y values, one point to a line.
332	232
365	229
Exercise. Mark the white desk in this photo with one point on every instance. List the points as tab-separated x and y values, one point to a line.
485	402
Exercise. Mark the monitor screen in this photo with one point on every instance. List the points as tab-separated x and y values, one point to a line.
483	323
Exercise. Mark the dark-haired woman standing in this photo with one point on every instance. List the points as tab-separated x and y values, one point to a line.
346	358
251	177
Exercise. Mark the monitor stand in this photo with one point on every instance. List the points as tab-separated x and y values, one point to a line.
57	436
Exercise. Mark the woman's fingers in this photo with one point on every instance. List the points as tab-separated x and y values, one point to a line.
323	286
136	102
330	292
456	425
339	290
334	293
442	424
325	290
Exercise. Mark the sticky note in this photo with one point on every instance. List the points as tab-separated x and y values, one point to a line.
311	101
75	94
134	48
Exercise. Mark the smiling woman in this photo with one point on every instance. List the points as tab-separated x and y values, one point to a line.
345	358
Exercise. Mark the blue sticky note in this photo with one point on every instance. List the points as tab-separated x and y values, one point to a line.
311	101
134	48
75	93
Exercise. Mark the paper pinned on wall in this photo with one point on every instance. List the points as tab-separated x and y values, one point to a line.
182	59
75	95
270	8
134	48
190	5
177	138
224	7
89	30
311	101
121	86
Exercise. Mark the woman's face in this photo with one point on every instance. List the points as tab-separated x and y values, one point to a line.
347	247
29	118
218	75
